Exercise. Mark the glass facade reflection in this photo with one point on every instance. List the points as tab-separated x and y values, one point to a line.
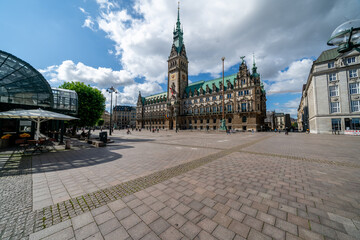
21	84
65	99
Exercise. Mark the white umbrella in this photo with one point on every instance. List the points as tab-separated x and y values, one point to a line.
35	115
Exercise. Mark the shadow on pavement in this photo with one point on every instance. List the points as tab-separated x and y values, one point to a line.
48	162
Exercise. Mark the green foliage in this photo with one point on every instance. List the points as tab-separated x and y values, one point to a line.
295	125
91	103
100	122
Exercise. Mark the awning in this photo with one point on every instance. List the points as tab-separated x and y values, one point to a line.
36	115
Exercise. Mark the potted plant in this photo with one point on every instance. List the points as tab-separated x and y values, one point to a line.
4	141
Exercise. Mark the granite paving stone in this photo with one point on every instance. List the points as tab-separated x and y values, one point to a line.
252	186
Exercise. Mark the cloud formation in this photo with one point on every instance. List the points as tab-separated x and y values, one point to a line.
101	77
278	32
291	79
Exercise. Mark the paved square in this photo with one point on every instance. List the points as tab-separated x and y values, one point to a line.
191	185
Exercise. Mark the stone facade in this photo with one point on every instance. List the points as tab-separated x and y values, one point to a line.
331	98
282	121
270	120
124	116
199	105
106	117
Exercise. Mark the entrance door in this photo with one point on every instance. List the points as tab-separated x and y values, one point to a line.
347	123
171	125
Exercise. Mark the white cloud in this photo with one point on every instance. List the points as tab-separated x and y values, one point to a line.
130	93
101	78
291	111
278	33
68	71
89	23
290	107
290	80
82	10
294	103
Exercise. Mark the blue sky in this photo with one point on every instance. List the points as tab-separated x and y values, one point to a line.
125	44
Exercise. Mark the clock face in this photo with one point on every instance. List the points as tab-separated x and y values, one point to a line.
173	76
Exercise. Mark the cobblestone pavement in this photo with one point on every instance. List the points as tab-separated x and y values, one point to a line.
338	148
16	216
239	196
229	187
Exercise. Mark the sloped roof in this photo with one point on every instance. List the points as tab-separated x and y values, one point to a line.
216	81
327	55
163	94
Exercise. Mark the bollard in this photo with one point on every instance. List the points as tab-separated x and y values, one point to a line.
67	144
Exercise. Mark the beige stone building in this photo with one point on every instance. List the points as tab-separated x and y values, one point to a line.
124	116
331	97
106	117
199	105
282	121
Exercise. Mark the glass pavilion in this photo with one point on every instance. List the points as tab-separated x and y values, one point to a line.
23	87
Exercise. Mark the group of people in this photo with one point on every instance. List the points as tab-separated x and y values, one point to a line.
154	130
279	131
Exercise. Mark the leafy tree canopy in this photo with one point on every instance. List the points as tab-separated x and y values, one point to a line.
100	122
91	103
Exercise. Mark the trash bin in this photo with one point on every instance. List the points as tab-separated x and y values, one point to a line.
67	144
103	137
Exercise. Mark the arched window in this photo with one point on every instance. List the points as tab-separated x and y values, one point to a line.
229	120
244	119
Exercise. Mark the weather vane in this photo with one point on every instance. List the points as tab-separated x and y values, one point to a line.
178	4
242	58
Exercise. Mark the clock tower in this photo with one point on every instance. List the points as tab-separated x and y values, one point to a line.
177	65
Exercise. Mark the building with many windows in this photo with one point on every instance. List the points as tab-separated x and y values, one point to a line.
331	97
282	121
199	105
124	116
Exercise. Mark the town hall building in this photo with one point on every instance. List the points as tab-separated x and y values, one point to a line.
199	105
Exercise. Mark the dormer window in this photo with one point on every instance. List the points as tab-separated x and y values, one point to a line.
331	64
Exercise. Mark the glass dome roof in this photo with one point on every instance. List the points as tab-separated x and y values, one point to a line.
346	30
22	84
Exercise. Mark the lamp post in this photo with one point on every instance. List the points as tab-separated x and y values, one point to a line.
111	90
346	36
223	126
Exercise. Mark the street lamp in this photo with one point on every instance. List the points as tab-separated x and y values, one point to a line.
111	90
223	126
346	36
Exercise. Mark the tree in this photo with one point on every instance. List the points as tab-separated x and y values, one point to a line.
100	122
91	103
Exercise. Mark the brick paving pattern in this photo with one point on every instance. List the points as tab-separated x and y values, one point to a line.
243	186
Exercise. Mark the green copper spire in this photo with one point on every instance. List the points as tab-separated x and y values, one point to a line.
178	18
254	68
178	33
